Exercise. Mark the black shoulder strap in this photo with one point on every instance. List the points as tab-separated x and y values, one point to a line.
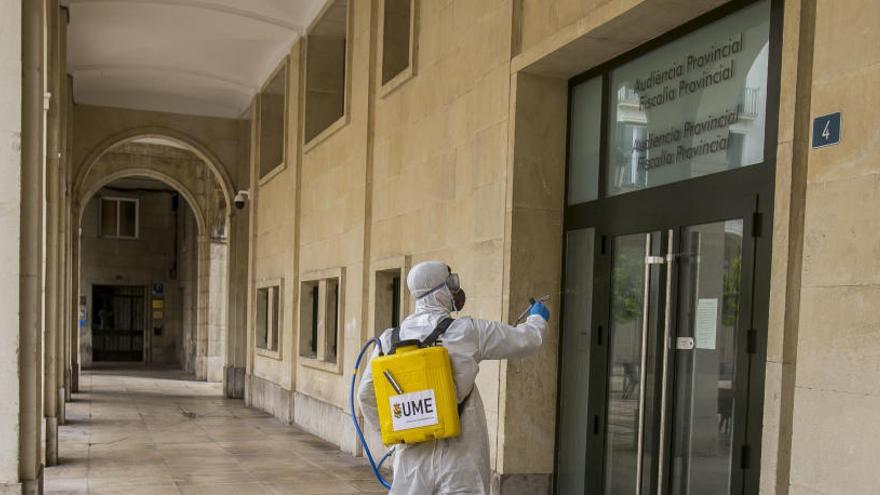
395	337
439	330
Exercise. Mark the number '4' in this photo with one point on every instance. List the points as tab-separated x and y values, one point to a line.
826	133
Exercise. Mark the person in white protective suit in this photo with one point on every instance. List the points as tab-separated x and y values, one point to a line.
456	465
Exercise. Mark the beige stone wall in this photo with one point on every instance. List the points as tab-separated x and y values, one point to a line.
331	233
10	204
98	128
427	169
273	261
440	159
836	432
463	161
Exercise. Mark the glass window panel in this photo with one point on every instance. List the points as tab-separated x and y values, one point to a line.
694	107
262	317
108	218
624	367
705	376
272	107
276	312
395	38
313	343
575	362
308	319
325	69
332	319
127	219
584	140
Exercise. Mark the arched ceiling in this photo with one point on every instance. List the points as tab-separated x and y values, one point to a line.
201	57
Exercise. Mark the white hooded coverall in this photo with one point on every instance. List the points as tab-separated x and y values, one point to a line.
457	465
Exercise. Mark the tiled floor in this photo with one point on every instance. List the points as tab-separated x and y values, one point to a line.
136	431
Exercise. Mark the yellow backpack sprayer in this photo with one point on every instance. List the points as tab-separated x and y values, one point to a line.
415	391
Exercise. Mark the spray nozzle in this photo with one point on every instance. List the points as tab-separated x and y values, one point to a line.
532	301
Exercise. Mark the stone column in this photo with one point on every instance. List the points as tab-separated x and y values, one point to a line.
73	314
61	206
203	280
50	261
30	362
11	356
216	327
236	307
533	265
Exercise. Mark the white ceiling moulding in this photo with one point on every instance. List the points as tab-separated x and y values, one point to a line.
222	7
167	69
200	57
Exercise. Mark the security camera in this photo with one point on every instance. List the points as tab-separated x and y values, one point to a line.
241	198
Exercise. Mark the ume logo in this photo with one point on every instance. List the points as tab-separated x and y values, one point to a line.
413	410
417	407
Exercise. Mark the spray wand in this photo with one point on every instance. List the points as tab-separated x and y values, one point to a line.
525	312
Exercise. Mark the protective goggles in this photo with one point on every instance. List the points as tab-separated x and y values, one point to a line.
453	282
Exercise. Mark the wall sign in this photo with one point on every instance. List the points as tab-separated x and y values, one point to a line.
826	130
692	107
413	410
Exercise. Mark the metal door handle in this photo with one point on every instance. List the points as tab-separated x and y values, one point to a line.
646	298
667	340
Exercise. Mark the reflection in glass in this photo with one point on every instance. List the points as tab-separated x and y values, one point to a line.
711	267
625	334
694	107
584	139
128	219
575	362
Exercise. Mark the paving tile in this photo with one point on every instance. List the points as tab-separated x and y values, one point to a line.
138	431
254	488
66	486
318	487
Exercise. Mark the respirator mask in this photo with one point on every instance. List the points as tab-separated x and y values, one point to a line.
453	283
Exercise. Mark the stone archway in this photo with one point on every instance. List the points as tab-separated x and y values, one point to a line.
210	159
208	192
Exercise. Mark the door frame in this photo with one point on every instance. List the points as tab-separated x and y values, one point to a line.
743	207
689	202
147	336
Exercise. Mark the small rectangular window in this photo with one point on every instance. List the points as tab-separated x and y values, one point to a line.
108	218
326	50
263	318
268	316
397	31
388	299
272	113
584	141
118	218
331	326
308	320
273	326
320	313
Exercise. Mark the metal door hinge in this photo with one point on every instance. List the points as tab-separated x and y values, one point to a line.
655	260
752	341
745	457
757	224
684	343
47	100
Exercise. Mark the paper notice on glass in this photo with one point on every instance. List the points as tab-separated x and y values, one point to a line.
706	323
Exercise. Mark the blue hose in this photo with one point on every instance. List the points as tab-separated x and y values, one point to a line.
357	427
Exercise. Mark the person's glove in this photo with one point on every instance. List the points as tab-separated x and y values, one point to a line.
539	309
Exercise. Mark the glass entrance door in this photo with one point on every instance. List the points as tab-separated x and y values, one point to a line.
674	342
